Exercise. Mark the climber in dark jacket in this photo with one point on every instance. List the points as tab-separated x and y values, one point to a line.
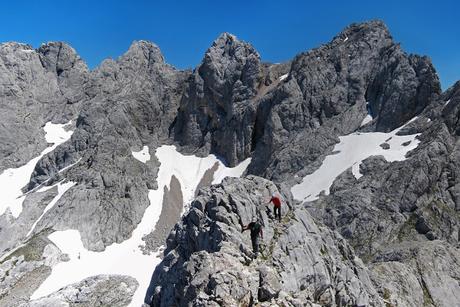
256	231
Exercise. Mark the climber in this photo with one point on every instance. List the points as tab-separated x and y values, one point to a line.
276	200
256	231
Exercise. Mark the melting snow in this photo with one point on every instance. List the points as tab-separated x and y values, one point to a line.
126	258
283	77
13	180
142	155
352	150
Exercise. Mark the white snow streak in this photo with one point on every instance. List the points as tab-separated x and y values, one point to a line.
352	150
13	180
346	38
42	187
142	155
126	258
283	77
62	188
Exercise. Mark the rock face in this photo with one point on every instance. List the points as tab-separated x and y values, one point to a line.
401	216
25	269
218	110
326	94
36	86
132	102
387	238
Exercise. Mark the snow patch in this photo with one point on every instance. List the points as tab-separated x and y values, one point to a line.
345	39
283	77
142	155
350	152
224	171
56	133
366	120
13	180
447	102
127	258
368	117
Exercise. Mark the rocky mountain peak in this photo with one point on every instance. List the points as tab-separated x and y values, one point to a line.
14	46
60	57
229	60
225	38
144	51
221	95
371	31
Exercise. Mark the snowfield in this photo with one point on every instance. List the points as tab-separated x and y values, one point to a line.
350	152
13	180
126	258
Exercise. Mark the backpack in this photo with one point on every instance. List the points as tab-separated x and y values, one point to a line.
256	227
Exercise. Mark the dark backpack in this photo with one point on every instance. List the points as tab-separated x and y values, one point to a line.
256	227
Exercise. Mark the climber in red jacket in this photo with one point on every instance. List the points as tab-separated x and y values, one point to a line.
276	200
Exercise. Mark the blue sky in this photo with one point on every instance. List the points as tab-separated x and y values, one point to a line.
185	29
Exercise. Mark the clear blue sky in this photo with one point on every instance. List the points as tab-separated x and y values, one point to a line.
184	29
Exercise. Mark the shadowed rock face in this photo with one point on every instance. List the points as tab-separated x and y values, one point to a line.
352	247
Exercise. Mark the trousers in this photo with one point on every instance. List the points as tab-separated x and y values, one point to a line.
277	212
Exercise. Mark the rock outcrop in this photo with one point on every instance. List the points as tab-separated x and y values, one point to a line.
97	291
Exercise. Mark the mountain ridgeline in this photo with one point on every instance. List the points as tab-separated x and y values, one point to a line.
384	233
